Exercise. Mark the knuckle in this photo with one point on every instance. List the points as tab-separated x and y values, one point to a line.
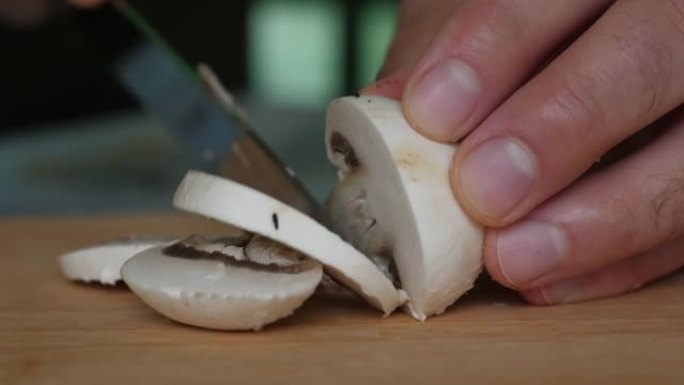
674	9
667	206
509	13
637	71
649	61
618	211
575	105
498	21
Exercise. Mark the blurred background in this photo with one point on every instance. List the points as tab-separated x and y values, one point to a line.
73	141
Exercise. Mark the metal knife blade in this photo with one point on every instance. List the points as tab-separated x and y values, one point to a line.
196	110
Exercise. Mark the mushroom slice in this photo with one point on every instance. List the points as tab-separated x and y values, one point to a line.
395	204
253	211
102	263
226	283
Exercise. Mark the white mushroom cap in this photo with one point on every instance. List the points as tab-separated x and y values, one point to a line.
102	263
394	200
214	284
253	211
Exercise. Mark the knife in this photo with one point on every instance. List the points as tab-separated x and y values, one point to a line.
194	107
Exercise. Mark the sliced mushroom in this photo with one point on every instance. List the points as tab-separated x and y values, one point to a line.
102	263
253	211
394	202
228	283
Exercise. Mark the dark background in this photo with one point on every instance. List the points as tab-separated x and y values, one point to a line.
50	72
72	141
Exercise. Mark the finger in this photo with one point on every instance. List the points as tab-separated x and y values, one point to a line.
481	55
622	277
417	24
622	74
621	211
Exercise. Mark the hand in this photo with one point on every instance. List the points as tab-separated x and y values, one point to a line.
543	90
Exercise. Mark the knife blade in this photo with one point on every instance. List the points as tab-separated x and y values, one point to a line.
197	111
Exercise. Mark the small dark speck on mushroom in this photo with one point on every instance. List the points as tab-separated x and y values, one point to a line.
274	218
369	100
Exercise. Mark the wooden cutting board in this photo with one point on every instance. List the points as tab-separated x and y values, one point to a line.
56	332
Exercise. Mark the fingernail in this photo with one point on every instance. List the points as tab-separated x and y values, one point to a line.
530	250
496	176
439	102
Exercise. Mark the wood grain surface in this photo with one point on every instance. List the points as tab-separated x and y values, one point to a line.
56	332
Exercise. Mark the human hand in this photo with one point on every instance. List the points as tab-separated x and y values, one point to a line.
544	89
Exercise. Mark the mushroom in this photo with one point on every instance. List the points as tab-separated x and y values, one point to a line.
102	263
250	210
394	203
410	242
237	283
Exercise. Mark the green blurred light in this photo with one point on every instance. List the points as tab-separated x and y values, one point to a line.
295	51
376	27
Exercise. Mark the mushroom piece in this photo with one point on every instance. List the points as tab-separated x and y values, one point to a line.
238	283
395	204
253	211
102	263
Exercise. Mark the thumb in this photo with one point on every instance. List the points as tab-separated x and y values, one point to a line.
418	22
